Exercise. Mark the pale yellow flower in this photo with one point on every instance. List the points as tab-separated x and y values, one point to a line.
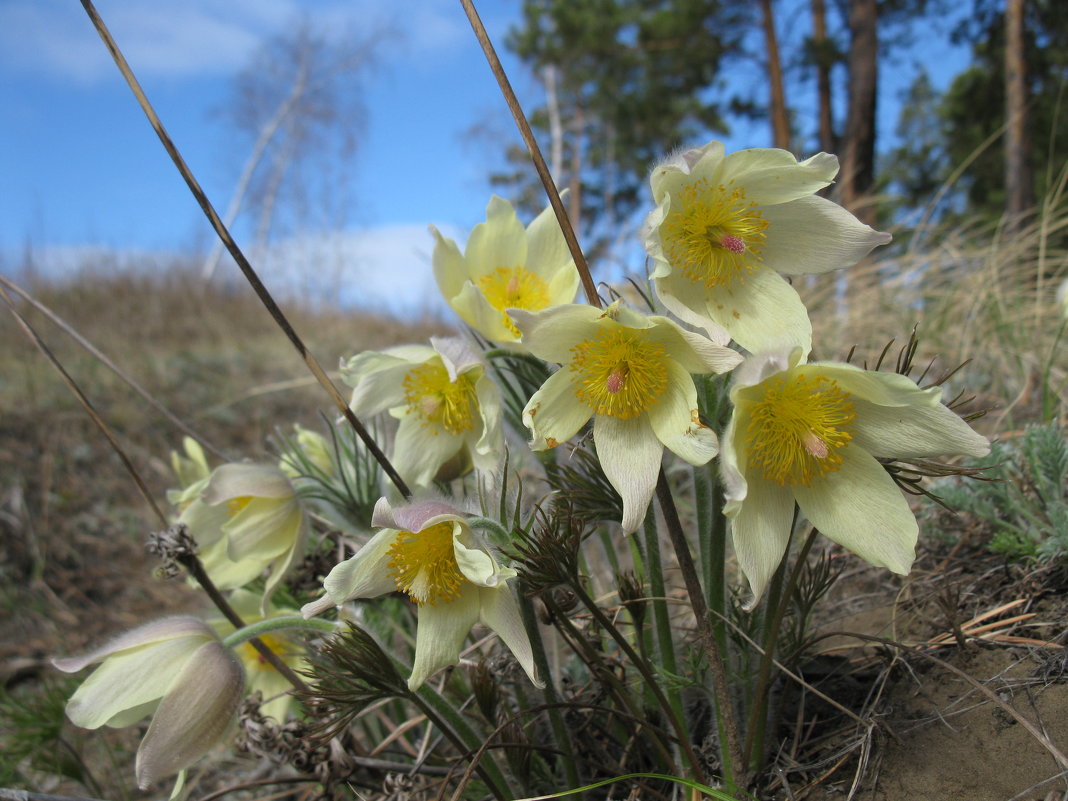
813	434
247	519
726	226
448	408
175	670
505	266
631	374
427	551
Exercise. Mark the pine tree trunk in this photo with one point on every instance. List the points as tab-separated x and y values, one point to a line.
780	120
823	76
1019	182
858	165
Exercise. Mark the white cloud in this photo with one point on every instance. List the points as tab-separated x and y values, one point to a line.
55	37
386	268
184	38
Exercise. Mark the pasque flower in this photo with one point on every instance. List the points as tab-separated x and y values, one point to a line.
505	266
813	433
631	374
449	410
726	226
427	551
174	669
247	518
262	676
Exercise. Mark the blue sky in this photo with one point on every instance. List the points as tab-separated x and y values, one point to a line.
81	168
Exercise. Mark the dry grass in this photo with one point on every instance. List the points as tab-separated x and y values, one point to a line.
979	293
70	516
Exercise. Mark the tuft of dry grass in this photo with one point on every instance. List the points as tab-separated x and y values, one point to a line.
981	292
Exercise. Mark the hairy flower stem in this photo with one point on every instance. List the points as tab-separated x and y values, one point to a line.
665	645
453	726
649	677
277	623
733	765
561	735
758	712
712	536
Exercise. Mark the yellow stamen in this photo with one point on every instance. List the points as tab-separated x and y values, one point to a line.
713	236
620	372
235	505
423	565
514	288
253	659
795	431
430	394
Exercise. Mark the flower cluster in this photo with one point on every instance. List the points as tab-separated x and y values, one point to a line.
802	438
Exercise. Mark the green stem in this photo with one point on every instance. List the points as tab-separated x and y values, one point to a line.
1047	403
561	735
754	744
733	765
661	615
712	536
261	627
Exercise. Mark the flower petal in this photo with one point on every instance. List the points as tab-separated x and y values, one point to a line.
547	251
554	414
501	241
456	356
413	516
552	333
450	268
564	285
193	716
205	522
376	390
283	563
440	633
263	529
419	450
225	572
674	419
760	529
914	432
733	459
129	680
859	507
477	565
813	235
697	353
761	313
499	609
252	480
168	628
363	575
769	176
630	456
473	308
